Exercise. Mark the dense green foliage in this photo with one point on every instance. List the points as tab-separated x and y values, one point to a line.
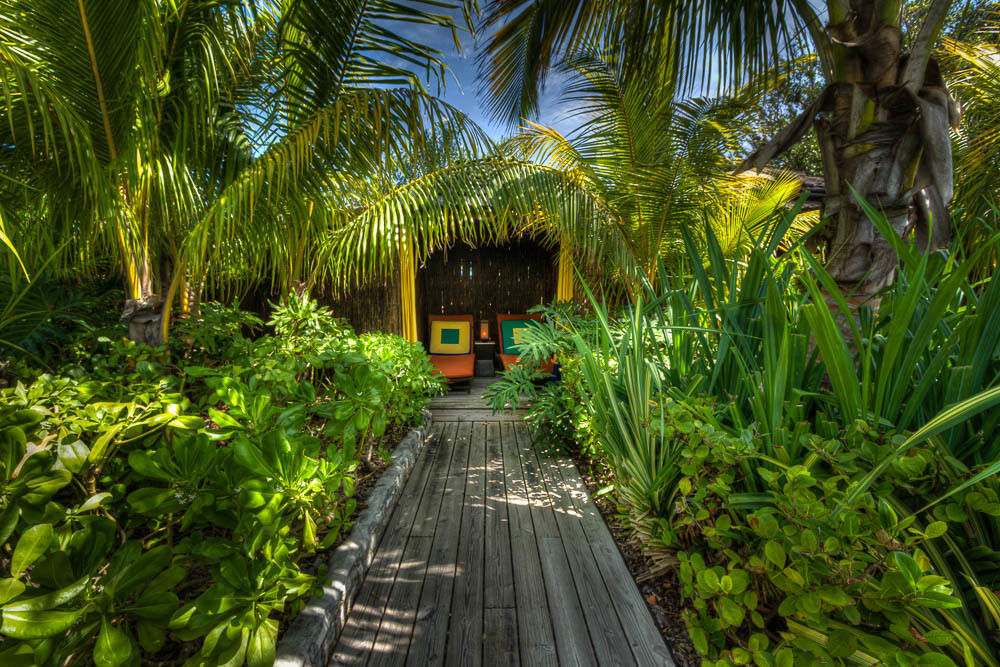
164	504
822	500
821	475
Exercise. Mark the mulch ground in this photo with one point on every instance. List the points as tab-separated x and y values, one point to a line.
662	594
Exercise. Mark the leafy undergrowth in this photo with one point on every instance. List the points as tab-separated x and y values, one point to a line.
169	506
820	499
661	593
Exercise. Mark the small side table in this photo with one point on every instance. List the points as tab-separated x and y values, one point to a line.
485	352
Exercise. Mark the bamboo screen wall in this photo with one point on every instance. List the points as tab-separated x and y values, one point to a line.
373	307
485	281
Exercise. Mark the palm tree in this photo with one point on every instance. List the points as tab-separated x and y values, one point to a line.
976	76
883	119
658	165
615	193
200	140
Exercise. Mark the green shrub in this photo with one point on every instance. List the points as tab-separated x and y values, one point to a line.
157	500
734	415
801	574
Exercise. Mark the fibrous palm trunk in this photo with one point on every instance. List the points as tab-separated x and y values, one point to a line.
883	125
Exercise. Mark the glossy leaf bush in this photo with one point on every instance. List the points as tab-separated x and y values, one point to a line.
821	476
166	505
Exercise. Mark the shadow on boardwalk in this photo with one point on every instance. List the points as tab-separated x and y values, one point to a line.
496	555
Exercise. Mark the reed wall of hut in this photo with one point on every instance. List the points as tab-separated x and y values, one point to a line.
485	281
374	306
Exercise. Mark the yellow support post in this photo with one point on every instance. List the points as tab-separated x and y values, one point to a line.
407	290
564	288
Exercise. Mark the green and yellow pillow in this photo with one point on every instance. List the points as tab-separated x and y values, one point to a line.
510	333
451	337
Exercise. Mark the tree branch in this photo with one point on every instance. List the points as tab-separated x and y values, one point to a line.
916	66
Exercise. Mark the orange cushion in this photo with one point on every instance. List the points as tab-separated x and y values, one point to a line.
454	366
511	360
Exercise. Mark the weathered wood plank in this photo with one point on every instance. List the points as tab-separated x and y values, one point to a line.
499	584
430	631
643	636
536	640
572	640
358	635
465	631
572	643
541	506
495	554
500	638
483	415
606	633
427	511
395	631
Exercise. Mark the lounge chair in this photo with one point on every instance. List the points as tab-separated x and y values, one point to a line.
450	346
509	326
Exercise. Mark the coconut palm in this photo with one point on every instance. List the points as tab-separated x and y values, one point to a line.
659	166
883	119
616	192
976	75
199	140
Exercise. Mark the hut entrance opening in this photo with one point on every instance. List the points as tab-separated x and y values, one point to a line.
485	281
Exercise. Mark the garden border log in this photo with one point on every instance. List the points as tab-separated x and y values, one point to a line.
310	639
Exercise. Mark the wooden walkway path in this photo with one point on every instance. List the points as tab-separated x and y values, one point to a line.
496	555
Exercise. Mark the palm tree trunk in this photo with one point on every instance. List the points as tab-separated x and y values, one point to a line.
883	125
885	137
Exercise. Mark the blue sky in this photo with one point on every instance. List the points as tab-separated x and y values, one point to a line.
462	88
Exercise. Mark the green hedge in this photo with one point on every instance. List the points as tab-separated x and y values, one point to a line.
162	504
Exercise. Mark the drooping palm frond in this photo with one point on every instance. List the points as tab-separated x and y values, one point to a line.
657	165
693	42
324	49
472	200
363	133
206	141
744	212
977	83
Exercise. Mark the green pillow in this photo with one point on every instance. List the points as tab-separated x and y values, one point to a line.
510	334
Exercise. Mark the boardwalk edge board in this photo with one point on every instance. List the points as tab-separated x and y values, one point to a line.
310	639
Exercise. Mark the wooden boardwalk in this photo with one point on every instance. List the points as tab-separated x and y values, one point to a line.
496	555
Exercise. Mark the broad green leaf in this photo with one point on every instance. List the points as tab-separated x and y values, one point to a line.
10	588
147	465
261	650
154	501
8	522
731	612
151	636
946	419
113	648
784	658
74	456
33	543
187	423
37	624
908	566
94	502
935	660
141	570
835	596
155	606
936	529
775	553
50	600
